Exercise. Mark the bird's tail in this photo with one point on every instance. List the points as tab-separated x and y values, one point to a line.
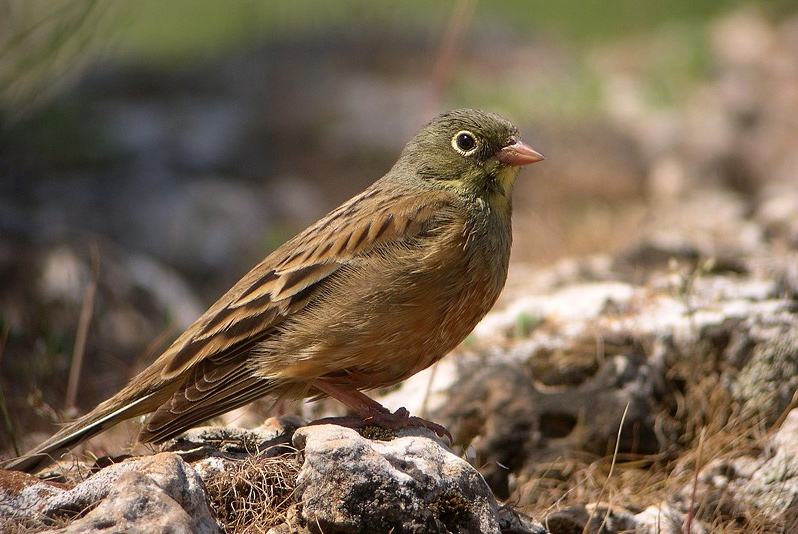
106	415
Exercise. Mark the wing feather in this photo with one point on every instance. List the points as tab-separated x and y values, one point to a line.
292	275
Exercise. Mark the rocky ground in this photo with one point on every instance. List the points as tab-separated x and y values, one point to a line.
642	378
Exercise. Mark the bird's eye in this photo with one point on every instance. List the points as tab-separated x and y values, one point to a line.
464	142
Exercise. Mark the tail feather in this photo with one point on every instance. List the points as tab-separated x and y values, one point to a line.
102	418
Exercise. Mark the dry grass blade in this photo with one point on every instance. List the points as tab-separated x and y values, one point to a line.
43	43
12	435
84	322
691	509
448	52
254	494
609	475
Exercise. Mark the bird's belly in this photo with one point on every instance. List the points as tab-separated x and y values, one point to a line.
397	323
396	344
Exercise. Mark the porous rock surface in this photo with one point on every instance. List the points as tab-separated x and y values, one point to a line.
159	493
405	483
408	484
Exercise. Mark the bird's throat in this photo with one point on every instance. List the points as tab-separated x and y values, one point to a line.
500	190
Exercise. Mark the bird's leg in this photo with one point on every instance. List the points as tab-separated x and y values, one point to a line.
363	405
372	412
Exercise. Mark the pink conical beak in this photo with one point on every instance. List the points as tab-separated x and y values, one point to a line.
518	153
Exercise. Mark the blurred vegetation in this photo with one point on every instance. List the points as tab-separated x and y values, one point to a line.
44	42
172	30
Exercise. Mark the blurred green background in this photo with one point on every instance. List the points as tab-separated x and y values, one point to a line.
40	40
175	30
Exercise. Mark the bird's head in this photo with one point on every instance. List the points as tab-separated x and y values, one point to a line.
475	153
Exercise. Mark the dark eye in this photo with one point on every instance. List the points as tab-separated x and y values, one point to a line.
464	142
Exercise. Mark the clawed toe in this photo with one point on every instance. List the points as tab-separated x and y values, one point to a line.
402	413
401	418
440	430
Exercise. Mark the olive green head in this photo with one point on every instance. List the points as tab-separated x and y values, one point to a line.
470	151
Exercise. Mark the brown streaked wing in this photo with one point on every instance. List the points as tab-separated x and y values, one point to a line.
224	336
291	276
165	424
296	280
210	388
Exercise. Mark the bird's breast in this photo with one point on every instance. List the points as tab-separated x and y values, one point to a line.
387	316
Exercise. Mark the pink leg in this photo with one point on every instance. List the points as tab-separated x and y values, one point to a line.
372	412
363	405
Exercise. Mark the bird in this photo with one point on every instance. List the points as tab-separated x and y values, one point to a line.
377	290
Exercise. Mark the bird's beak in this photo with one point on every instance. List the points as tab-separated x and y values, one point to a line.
517	153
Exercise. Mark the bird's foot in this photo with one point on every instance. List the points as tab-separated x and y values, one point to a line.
372	413
401	418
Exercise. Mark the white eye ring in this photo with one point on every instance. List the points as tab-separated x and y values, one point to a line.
465	142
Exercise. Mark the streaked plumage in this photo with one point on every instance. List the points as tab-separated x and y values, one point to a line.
377	290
